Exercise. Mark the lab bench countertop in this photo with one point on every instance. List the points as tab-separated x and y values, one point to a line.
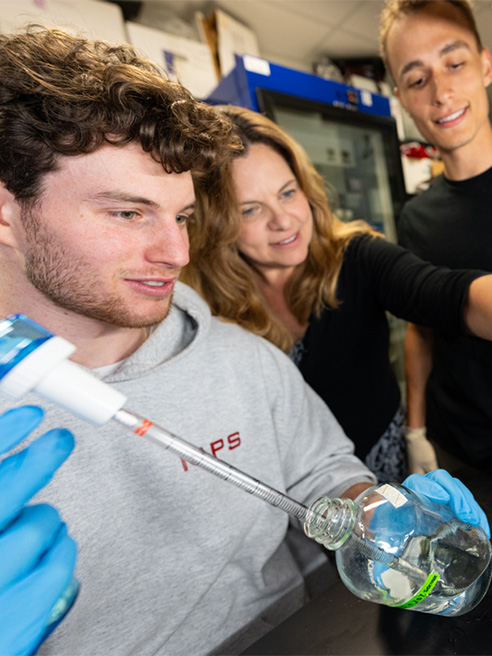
337	622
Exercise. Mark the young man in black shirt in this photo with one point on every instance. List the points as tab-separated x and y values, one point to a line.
441	71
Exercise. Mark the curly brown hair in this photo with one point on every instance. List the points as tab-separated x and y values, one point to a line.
395	9
224	278
63	95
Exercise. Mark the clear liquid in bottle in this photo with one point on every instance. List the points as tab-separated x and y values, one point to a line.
399	548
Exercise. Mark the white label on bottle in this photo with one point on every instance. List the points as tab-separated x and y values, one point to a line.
391	494
397	584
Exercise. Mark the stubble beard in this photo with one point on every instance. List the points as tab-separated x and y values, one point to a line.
72	284
452	147
459	142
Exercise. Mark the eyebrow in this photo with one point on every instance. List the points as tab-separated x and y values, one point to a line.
289	182
126	198
450	47
122	197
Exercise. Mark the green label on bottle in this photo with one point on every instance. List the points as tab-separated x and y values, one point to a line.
424	592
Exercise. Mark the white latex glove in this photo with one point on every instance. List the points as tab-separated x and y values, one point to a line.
420	452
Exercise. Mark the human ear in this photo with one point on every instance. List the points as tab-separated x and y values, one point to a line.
398	95
486	66
10	217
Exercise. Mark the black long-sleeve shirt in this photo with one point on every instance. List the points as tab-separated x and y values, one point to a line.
449	224
346	350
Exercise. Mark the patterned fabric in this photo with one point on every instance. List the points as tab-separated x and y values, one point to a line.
297	352
388	457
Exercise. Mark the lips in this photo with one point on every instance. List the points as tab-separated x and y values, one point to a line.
152	287
451	117
287	241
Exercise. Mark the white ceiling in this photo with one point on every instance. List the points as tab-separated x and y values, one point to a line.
300	30
296	32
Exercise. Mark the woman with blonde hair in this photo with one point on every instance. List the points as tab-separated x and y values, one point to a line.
269	254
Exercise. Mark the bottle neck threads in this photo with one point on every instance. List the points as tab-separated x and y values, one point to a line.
330	521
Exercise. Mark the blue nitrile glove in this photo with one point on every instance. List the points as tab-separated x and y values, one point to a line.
441	487
37	558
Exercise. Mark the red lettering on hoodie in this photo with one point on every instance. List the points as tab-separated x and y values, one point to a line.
233	441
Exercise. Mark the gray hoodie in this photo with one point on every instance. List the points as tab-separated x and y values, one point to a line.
173	560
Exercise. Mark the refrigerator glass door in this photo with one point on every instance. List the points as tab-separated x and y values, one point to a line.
357	155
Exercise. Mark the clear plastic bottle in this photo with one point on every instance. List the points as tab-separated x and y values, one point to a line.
399	548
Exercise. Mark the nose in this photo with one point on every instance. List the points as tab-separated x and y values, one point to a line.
279	219
168	245
441	88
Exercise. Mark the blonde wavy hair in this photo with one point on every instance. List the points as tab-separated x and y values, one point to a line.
219	272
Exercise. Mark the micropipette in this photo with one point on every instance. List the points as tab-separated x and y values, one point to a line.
143	427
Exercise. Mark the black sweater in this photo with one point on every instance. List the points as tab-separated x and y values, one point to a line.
449	224
346	350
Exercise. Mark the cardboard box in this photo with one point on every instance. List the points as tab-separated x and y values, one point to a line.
227	37
183	60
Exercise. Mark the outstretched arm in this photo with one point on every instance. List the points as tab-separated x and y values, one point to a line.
418	365
478	309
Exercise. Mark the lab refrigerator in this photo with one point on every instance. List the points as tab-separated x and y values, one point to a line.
348	133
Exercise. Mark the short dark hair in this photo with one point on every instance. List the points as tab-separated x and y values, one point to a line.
394	9
63	95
